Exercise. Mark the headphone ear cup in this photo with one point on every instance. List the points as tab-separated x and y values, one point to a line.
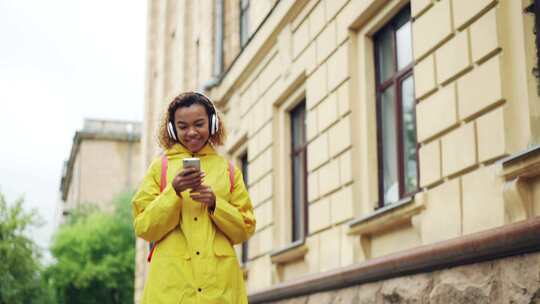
170	130
215	124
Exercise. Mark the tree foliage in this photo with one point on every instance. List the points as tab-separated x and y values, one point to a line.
94	254
20	268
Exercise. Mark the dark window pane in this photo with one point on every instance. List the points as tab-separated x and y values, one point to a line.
244	252
409	135
389	146
404	45
299	171
298	196
297	199
403	17
385	54
244	22
298	126
244	160
244	29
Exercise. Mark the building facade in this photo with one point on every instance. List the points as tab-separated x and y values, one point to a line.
376	138
104	161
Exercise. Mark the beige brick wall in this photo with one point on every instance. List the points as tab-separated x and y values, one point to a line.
429	156
481	192
99	180
231	40
437	113
458	150
432	28
466	85
462	116
441	219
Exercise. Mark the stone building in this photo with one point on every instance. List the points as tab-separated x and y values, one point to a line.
104	161
391	148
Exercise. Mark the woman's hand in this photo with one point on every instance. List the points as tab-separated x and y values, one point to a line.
205	195
189	178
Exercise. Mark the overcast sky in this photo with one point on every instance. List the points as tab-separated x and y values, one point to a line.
62	61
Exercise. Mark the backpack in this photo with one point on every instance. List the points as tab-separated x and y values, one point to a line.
163	184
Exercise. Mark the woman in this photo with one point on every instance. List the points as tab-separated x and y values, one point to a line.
198	215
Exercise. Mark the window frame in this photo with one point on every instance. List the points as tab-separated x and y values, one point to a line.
287	250
281	177
396	79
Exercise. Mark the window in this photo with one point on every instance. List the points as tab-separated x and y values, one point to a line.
299	172
244	22
244	163
396	125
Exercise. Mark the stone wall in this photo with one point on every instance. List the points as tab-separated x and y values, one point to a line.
510	280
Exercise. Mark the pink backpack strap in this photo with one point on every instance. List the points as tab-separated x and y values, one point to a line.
231	176
163	182
162	185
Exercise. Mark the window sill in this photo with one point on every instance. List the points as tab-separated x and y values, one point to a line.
292	252
524	164
386	218
520	172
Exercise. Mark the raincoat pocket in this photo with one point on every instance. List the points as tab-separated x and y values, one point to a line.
167	281
173	245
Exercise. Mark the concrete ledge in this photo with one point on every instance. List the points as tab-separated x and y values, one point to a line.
292	252
524	164
385	218
519	171
514	239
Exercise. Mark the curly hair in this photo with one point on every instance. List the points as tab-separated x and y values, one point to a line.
185	100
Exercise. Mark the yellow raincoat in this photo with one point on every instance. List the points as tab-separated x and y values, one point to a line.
194	262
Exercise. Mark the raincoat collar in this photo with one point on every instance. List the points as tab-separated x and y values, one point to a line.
180	149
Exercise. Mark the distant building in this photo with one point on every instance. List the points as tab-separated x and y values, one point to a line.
393	147
104	162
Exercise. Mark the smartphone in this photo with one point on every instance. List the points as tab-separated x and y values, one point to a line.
193	162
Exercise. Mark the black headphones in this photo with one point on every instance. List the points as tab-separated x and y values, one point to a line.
209	105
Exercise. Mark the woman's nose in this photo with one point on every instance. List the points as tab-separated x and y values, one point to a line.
192	132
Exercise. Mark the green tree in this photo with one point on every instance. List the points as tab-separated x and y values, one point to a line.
20	268
95	255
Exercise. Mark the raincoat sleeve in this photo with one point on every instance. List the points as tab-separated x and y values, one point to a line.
235	217
155	213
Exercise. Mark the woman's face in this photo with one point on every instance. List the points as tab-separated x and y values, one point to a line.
192	126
